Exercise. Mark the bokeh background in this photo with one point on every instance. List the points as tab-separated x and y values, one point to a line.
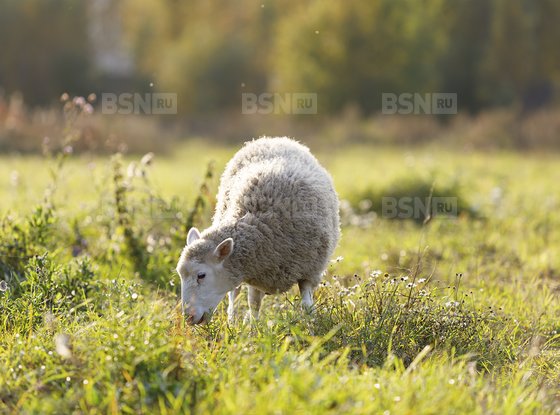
501	58
421	310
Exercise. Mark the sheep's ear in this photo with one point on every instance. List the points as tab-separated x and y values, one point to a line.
192	236
224	249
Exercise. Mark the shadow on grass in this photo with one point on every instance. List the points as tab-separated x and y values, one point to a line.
415	199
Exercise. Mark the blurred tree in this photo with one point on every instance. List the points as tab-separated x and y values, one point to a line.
490	52
44	48
522	59
212	49
547	26
468	25
350	52
547	65
509	61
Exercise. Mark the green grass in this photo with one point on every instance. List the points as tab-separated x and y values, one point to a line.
462	317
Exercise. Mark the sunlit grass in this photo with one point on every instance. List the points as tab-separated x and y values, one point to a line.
458	315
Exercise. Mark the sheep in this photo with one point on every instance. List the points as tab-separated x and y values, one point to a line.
276	223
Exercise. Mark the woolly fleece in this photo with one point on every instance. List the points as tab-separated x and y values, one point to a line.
279	206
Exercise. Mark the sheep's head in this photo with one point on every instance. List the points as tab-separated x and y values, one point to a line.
204	281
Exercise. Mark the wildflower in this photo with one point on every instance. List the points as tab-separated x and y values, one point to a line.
421	280
496	195
411	285
79	101
404	278
147	159
14	178
375	273
131	170
62	344
365	205
134	296
3	285
88	108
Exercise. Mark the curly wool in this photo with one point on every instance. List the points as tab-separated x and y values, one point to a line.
280	207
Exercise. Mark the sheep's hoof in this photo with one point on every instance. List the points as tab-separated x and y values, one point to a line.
250	318
231	318
307	308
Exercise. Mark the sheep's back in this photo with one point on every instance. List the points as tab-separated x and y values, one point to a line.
254	152
286	212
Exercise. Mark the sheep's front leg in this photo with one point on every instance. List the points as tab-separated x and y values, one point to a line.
306	291
231	305
255	298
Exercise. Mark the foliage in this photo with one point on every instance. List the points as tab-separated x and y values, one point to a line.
413	198
489	52
454	316
44	49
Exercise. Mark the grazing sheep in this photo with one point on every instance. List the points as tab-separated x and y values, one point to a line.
276	224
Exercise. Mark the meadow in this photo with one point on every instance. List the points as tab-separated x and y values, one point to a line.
421	315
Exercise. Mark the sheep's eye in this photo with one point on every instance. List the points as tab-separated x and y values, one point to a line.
201	275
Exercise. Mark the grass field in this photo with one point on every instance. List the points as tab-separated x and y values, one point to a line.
457	315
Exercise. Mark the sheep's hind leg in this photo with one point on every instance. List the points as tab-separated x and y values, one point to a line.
306	291
231	305
255	298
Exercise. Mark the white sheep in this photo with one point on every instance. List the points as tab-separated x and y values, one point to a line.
276	224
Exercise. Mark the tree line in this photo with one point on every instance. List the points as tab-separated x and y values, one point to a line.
490	52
